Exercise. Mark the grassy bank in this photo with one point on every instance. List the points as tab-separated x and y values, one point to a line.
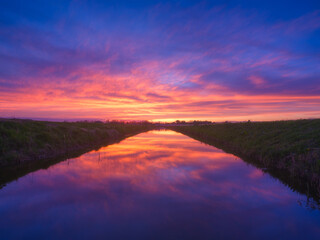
22	141
290	146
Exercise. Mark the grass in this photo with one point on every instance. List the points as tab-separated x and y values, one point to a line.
288	150
28	140
290	146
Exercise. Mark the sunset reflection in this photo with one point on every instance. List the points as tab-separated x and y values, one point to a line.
162	182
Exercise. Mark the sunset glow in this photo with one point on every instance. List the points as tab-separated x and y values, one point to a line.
160	60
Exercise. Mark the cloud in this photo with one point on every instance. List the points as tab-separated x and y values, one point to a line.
257	81
158	61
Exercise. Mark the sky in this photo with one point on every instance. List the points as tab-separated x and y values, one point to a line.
160	60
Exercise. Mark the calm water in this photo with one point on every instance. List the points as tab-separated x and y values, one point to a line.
156	185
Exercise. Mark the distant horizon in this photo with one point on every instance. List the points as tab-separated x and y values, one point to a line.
151	121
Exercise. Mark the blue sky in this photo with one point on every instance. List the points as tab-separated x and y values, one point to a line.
160	59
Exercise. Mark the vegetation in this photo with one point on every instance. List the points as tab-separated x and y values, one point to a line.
288	150
27	140
290	146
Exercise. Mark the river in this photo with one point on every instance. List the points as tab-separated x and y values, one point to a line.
155	185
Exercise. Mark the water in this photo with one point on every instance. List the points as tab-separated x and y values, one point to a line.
156	185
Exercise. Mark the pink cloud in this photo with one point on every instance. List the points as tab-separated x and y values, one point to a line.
257	81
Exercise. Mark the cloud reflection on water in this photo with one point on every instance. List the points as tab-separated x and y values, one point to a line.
158	184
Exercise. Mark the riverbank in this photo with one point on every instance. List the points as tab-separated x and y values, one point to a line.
25	141
293	147
288	150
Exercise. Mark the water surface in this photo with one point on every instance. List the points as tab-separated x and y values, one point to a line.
155	185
